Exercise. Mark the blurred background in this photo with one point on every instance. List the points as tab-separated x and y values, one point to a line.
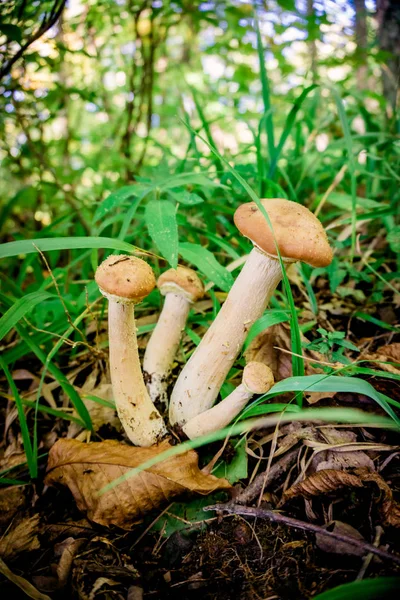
92	94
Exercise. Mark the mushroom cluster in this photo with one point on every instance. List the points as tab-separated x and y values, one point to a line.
296	235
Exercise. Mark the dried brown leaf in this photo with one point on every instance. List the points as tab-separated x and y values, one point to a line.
325	482
21	538
87	468
12	499
389	353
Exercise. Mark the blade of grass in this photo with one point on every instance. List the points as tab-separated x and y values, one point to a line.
266	95
26	439
66	243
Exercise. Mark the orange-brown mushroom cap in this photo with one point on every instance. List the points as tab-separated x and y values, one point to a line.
257	377
184	279
298	233
125	277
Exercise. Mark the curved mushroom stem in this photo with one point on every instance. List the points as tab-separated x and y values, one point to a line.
163	345
142	422
201	379
218	416
257	379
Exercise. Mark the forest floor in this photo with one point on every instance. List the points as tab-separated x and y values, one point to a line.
179	551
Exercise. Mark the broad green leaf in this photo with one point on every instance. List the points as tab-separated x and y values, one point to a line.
235	469
66	243
205	261
114	200
265	409
20	308
381	588
186	198
271	317
160	217
344	201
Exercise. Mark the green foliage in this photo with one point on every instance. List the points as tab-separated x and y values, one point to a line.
96	158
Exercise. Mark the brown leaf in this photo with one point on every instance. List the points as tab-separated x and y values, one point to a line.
21	538
12	499
334	546
87	468
389	353
323	482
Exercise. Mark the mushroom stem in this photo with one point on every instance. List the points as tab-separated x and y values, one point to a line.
220	415
199	383
163	345
142	422
257	379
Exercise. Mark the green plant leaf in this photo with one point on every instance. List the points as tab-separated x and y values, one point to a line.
205	261
20	308
235	469
382	588
114	200
271	317
63	243
160	217
332	383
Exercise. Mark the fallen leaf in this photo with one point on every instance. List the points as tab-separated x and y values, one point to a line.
385	354
12	499
334	546
21	538
87	468
325	482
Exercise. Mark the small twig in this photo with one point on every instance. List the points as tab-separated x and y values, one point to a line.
368	557
277	517
264	479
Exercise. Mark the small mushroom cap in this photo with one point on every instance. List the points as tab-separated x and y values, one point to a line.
299	234
181	281
125	278
257	377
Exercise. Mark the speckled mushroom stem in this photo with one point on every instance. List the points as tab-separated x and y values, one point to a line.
257	379
199	383
163	345
142	422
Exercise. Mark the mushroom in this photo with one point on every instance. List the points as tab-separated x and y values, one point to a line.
300	237
257	379
181	288
125	281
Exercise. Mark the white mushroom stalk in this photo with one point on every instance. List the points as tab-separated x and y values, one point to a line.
257	379
125	281
299	236
181	288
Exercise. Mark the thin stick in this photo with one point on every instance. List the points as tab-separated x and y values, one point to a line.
279	518
264	479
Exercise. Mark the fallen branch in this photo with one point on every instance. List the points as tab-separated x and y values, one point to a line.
277	517
266	478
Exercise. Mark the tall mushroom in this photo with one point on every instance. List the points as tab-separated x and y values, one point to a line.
300	237
181	288
125	281
257	379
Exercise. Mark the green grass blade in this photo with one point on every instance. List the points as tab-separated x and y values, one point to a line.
20	308
26	440
66	243
288	127
269	123
331	383
272	317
